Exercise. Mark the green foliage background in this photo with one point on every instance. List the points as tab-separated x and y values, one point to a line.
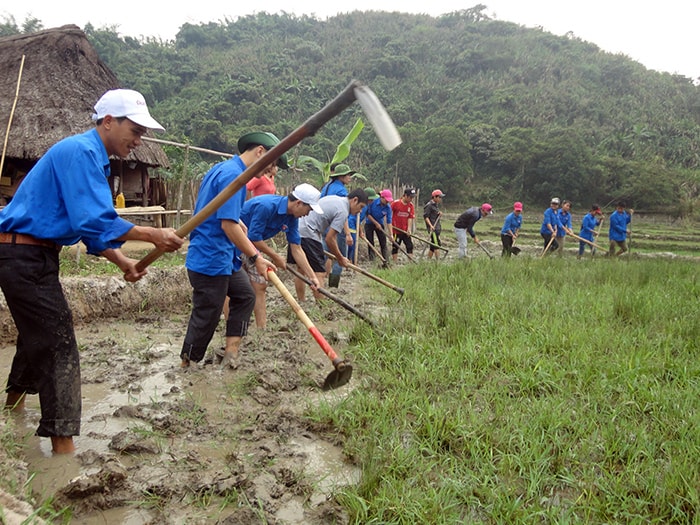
487	109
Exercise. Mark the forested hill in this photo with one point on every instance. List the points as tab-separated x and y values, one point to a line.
487	109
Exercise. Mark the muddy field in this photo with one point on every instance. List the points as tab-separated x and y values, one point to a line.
159	445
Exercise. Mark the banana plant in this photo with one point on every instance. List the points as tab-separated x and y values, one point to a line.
341	153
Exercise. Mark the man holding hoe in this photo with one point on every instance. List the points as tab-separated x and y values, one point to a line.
403	213
64	199
266	216
213	261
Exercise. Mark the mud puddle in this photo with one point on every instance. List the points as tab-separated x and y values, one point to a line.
159	445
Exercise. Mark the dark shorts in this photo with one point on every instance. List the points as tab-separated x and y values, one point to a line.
314	254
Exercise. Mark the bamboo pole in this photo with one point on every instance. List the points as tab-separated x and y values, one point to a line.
180	144
12	113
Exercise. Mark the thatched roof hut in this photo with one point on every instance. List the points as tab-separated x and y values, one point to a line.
62	78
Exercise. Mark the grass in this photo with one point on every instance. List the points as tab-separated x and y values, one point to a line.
90	265
529	390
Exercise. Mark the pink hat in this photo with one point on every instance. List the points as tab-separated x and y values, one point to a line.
487	208
518	206
437	193
387	195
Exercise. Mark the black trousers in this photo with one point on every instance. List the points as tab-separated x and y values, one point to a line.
407	241
370	228
548	237
47	361
507	242
208	296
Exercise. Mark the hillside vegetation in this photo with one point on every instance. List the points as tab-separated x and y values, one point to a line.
487	109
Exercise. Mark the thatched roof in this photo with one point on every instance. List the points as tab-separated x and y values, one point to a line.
62	78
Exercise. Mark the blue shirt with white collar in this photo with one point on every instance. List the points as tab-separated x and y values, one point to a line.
66	197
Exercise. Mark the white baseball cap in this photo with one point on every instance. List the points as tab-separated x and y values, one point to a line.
307	194
126	103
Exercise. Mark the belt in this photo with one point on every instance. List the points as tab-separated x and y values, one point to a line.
22	238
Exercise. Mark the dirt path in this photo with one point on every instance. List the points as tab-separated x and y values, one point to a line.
160	445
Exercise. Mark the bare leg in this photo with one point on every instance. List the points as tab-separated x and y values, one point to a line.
260	309
15	401
321	279
230	359
300	289
62	444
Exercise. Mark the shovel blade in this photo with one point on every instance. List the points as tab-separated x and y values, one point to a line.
338	378
515	250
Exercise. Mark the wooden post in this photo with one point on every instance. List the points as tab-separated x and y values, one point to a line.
12	113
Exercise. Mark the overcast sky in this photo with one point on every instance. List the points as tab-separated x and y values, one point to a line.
661	36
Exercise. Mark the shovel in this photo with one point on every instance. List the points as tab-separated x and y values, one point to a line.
323	291
343	370
515	250
355	91
546	248
594	245
424	241
398	290
385	264
485	250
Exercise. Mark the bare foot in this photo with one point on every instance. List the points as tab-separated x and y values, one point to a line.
15	401
230	360
62	444
185	363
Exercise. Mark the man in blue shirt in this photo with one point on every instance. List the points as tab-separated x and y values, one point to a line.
619	230
341	175
266	216
588	229
565	225
550	225
356	223
212	265
378	217
64	199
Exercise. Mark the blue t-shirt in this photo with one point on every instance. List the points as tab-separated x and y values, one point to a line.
66	197
379	211
588	226
512	223
334	187
564	220
210	251
265	216
550	217
618	226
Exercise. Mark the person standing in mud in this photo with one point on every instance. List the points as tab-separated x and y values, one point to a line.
403	213
511	228
588	229
65	198
316	228
266	216
212	268
341	175
565	225
550	225
379	217
431	216
619	229
465	225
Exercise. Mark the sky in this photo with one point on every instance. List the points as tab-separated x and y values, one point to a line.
663	37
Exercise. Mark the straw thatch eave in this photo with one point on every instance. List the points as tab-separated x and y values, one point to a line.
62	78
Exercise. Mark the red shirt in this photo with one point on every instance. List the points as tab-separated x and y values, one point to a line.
401	213
261	186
